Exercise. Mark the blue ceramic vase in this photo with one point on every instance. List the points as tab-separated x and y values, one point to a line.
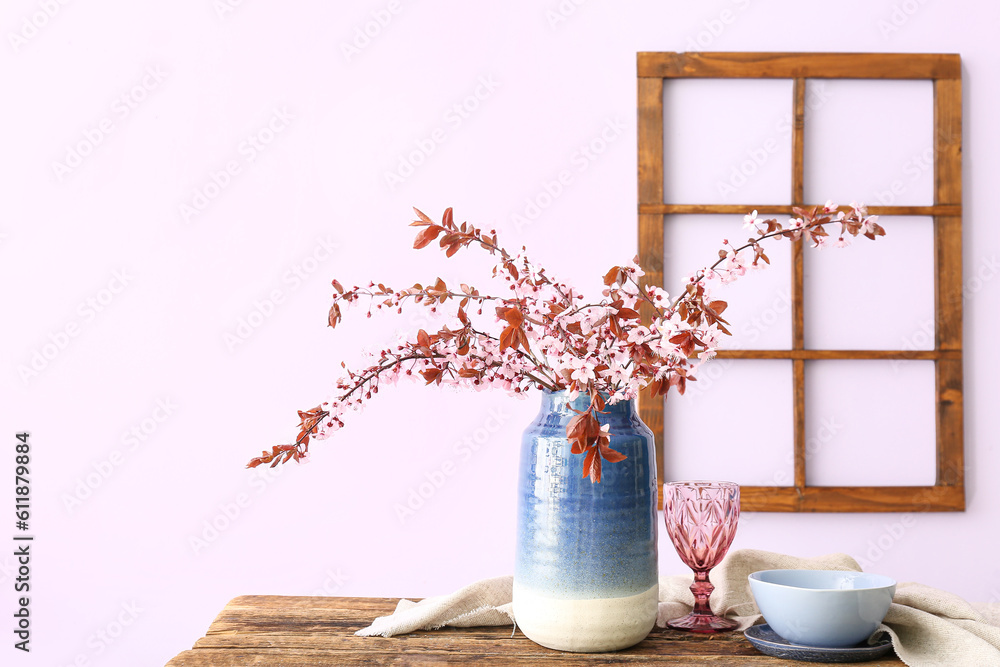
585	575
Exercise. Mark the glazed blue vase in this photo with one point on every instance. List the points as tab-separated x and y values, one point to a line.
585	575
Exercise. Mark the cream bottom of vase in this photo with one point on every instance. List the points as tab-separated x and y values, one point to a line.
585	626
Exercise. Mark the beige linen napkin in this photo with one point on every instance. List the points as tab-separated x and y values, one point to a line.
928	627
486	602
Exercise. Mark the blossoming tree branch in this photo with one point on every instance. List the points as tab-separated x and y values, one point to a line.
538	332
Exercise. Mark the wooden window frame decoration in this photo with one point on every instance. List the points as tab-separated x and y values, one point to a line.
944	70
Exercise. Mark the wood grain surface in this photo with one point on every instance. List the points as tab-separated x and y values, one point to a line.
267	630
800	65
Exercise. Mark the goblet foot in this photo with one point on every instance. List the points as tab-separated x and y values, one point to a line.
703	623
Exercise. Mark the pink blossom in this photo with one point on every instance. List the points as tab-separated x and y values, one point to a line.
736	264
584	372
634	270
638	335
532	331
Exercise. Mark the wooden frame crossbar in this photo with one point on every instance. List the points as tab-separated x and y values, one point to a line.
944	70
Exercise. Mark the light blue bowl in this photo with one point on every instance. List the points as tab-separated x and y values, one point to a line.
826	608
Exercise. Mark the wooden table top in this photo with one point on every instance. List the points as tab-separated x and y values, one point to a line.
269	630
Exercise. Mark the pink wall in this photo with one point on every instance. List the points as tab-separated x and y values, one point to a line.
136	299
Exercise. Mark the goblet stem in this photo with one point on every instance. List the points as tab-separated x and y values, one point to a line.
701	618
702	589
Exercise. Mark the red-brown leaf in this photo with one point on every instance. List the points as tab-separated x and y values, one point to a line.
594	469
256	461
514	317
424	219
423	339
334	316
588	462
616	328
611	455
577	427
519	339
685	341
507	337
426	236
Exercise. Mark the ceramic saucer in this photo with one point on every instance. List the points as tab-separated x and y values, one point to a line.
767	641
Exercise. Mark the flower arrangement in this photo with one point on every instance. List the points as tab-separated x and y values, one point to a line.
542	333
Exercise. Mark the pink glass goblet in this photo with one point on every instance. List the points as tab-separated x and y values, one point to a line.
701	520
